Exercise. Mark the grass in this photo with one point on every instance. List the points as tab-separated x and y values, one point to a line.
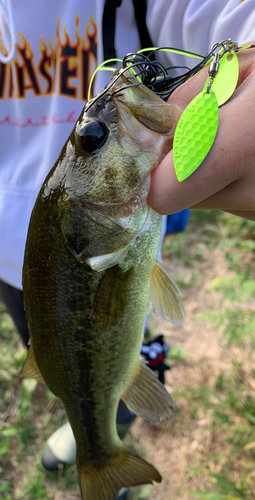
228	406
28	411
224	405
229	409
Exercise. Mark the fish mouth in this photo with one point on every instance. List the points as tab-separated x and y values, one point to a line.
122	209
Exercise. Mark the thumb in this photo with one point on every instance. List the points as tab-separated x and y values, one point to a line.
186	92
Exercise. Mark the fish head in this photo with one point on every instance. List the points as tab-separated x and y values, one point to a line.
119	139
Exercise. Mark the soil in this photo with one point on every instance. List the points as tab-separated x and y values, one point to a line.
181	443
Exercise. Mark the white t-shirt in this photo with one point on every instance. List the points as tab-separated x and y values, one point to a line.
43	90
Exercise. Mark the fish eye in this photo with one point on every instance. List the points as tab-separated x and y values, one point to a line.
91	136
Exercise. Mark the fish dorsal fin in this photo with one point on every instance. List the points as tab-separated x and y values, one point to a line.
125	469
111	299
165	299
146	396
102	262
30	368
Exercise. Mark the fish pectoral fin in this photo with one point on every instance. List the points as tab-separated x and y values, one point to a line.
30	368
146	396
111	299
165	297
102	262
125	470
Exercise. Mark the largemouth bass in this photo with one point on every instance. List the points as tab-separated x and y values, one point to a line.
90	271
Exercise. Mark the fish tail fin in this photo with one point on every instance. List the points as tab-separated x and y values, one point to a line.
124	470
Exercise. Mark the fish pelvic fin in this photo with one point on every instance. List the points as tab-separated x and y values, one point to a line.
146	396
111	299
165	297
30	367
125	470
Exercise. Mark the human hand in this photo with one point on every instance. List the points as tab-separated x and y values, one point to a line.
226	178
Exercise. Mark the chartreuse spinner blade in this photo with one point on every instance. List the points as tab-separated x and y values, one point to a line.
195	134
225	82
197	127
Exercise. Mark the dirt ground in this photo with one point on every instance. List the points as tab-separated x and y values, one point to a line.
180	443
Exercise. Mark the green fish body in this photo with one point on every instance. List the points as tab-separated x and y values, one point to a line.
90	271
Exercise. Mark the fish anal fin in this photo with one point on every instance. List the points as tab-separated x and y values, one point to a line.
111	299
165	299
125	470
30	368
146	396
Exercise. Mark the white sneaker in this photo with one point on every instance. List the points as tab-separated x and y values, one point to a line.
60	449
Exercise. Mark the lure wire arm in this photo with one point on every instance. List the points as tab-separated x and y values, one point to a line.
152	73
